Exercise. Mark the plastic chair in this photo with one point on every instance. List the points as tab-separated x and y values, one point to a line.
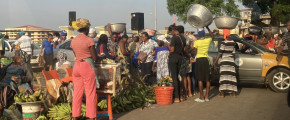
69	78
109	111
48	75
69	71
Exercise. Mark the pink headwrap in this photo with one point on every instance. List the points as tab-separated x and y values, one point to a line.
226	32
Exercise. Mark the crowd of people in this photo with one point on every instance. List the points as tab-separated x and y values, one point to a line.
184	58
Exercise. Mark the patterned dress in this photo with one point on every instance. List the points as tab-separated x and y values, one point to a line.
124	62
186	66
228	80
161	58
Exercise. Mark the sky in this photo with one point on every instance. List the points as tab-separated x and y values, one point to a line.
54	13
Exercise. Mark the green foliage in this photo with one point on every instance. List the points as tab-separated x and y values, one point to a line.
217	7
278	9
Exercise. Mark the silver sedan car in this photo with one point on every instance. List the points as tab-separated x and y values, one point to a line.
255	64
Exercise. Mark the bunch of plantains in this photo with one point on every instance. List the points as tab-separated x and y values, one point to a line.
3	117
63	111
36	96
41	117
132	96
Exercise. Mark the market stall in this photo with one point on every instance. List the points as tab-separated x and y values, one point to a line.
109	77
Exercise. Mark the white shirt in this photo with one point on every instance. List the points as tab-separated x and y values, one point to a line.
148	48
56	39
25	44
65	63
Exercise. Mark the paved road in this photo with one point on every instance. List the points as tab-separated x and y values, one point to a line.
251	104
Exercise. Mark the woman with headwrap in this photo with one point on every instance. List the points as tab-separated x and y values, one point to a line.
202	65
84	71
62	65
228	80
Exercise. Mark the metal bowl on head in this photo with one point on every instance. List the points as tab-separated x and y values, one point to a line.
275	30
226	22
117	27
283	29
255	30
199	16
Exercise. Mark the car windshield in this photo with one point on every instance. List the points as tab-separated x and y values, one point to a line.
259	46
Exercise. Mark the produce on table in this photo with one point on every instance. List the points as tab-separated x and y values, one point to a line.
63	111
36	96
107	60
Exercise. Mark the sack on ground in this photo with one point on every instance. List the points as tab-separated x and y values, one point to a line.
53	86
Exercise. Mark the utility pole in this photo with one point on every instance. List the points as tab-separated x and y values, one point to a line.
155	16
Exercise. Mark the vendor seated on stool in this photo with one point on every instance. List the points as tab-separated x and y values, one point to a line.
15	76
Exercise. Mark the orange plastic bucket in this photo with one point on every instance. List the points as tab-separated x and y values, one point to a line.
164	95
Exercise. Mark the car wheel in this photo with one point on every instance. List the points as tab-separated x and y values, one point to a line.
279	80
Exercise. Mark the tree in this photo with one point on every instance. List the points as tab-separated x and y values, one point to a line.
217	7
279	10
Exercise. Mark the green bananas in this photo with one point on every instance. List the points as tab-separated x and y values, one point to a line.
42	117
63	111
131	98
3	117
36	96
12	107
103	104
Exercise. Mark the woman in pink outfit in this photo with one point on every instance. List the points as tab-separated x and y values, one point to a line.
84	77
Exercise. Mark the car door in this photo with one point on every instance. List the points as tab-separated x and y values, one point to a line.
249	65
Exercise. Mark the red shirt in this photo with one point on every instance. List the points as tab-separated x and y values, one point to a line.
80	45
271	44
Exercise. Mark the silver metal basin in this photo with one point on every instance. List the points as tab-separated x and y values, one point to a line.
199	16
117	27
275	30
226	22
283	29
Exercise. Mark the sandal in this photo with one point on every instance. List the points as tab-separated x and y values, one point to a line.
199	100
